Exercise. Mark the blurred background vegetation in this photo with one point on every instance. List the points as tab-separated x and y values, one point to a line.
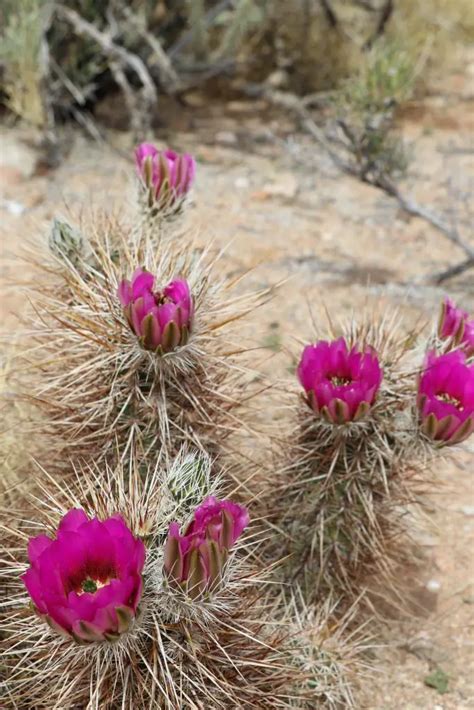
360	59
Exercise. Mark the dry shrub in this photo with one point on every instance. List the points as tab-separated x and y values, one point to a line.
434	32
20	52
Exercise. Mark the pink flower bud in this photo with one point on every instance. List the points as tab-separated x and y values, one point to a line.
167	175
87	582
340	384
446	397
195	560
455	325
161	320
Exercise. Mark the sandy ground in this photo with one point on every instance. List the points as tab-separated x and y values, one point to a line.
285	211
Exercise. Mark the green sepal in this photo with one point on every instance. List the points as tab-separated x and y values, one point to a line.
341	411
429	426
227	529
148	171
362	411
149	325
196	581
170	336
88	632
217	559
443	425
173	561
327	415
125	617
465	430
184	335
57	628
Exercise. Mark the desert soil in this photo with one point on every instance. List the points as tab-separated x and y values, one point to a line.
282	209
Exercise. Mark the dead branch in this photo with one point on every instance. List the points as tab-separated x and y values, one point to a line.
455	270
365	5
293	103
412	207
50	141
329	13
185	39
136	121
385	15
167	74
117	54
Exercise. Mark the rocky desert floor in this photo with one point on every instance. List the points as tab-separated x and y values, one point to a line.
269	195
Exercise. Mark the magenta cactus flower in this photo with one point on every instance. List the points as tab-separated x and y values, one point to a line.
340	384
86	583
456	325
167	175
194	560
446	397
161	320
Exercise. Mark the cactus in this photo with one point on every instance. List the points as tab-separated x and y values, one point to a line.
345	483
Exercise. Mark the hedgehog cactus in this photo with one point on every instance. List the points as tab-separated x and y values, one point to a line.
153	355
340	384
456	327
161	320
166	179
195	560
358	452
446	397
138	568
120	634
87	582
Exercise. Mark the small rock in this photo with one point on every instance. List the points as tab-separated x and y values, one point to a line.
9	176
242	182
433	586
245	106
468	510
286	185
278	79
226	137
196	99
16	157
13	207
423	647
260	196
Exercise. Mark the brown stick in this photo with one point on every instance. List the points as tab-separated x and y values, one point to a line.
295	104
166	71
455	270
387	12
112	50
331	16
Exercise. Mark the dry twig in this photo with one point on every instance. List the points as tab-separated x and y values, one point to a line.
167	74
121	59
293	103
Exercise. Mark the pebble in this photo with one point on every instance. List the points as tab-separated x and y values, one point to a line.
16	157
226	137
286	185
468	510
241	182
13	207
433	585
